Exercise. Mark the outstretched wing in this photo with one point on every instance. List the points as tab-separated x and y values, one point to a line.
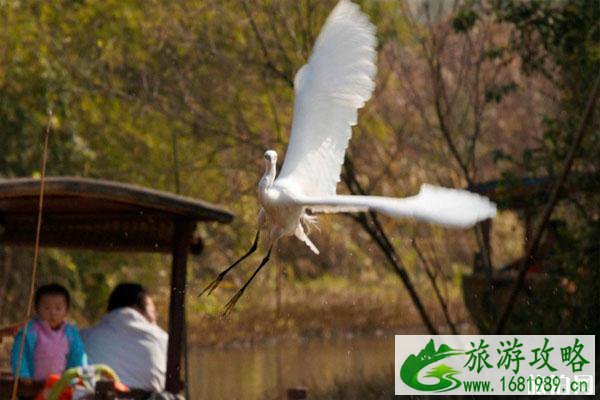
449	207
329	89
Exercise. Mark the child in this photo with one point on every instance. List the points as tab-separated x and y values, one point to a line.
51	344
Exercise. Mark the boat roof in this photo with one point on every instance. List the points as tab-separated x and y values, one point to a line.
97	214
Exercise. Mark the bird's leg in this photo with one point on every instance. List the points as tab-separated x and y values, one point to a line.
237	296
213	285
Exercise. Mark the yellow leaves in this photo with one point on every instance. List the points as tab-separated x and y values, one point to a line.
376	127
88	106
54	122
64	262
128	75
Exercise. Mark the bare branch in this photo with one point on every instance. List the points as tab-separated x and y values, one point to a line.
436	289
370	223
268	62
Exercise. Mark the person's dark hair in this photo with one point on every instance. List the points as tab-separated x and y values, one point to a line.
51	289
127	295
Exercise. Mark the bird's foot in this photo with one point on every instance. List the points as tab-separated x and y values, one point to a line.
212	286
231	303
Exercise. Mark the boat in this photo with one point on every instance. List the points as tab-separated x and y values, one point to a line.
102	215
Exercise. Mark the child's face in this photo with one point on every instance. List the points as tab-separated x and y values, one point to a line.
52	309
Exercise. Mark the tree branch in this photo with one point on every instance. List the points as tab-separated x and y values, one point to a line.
270	65
436	289
370	223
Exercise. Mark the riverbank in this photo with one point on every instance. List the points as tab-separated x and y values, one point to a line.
325	307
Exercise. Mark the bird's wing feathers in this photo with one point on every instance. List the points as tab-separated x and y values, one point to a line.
329	89
449	207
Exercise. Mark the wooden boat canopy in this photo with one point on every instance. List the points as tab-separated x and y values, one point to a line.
97	214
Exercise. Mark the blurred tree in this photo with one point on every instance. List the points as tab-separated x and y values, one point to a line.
558	43
124	77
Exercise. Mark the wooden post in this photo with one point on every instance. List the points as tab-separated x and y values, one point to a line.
182	235
7	264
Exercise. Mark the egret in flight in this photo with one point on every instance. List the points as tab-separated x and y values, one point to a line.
329	90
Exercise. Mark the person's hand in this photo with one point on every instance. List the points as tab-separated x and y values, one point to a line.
150	310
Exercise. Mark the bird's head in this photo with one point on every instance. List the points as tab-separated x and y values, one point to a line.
270	157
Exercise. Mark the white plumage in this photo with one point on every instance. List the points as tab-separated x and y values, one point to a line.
329	89
337	80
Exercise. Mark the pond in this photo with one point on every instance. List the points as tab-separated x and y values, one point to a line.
262	372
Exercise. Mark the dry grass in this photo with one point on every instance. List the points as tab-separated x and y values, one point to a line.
323	307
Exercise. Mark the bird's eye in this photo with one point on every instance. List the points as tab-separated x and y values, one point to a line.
266	157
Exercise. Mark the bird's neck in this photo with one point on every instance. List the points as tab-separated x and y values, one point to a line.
269	176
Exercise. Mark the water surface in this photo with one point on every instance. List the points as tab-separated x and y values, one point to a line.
263	372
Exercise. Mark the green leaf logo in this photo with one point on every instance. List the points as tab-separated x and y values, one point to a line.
409	371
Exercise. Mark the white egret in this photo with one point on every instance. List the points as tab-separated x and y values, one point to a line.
329	89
